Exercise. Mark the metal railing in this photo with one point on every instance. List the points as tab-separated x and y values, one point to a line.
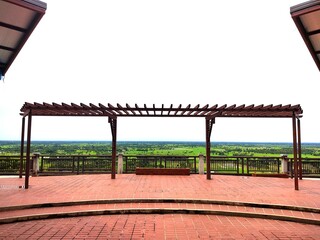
75	164
131	162
310	167
236	165
10	164
244	165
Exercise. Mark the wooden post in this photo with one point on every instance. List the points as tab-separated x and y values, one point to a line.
22	147
294	131
113	125
299	150
28	151
209	122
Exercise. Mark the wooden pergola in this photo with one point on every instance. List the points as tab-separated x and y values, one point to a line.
208	112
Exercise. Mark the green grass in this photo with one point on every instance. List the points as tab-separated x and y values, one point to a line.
161	148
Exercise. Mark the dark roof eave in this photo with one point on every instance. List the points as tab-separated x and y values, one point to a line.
39	8
37	3
303	6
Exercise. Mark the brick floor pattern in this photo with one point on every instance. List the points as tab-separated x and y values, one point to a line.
168	226
158	226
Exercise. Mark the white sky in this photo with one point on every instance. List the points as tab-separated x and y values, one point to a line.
168	51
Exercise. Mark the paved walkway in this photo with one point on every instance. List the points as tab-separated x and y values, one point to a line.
159	207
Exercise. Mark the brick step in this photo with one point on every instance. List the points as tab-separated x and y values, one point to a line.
157	206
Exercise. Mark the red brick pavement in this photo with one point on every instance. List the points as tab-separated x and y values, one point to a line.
88	187
168	226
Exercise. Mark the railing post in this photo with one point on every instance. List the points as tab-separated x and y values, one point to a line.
248	167
284	163
73	165
291	168
126	159
242	165
83	162
41	164
237	166
35	164
120	163
78	165
201	164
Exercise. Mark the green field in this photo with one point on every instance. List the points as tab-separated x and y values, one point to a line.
309	150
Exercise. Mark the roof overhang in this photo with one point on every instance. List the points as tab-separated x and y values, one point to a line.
18	19
307	19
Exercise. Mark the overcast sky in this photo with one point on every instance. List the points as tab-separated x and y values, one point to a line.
163	52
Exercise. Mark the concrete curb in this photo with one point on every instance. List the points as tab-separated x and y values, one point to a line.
161	200
156	211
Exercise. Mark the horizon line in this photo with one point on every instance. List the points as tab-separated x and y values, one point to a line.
157	141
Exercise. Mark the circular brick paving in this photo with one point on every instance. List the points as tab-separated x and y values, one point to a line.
167	226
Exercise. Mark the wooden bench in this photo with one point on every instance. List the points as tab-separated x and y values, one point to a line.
278	175
162	171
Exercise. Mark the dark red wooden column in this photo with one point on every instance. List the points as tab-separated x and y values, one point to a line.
22	147
209	123
113	125
294	133
299	150
28	150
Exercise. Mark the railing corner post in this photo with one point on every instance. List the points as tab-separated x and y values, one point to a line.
120	164
201	164
35	163
284	163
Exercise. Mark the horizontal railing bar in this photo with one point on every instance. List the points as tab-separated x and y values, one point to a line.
77	164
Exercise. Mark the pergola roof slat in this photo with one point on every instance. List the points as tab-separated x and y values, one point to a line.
138	108
188	107
210	109
154	109
125	111
63	109
116	110
178	109
107	111
201	110
130	108
145	108
193	109
171	107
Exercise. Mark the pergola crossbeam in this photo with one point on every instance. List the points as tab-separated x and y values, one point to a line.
259	111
